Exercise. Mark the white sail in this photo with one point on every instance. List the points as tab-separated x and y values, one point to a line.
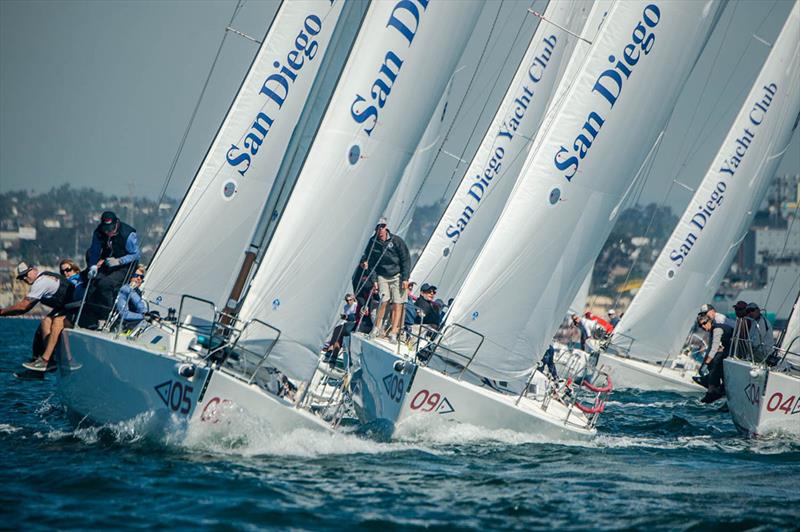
398	212
576	177
582	297
204	245
487	182
703	244
791	336
394	78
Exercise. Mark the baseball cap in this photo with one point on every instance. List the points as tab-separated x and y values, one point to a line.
22	270
382	221
752	306
108	221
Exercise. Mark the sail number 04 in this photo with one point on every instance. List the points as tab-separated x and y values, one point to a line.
776	402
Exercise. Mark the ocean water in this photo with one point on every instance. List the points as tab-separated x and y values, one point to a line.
661	461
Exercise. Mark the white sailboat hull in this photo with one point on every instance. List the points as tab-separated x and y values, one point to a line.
762	402
116	380
633	373
389	396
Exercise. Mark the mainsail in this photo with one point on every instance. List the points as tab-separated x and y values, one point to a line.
487	182
394	78
703	244
286	85
564	203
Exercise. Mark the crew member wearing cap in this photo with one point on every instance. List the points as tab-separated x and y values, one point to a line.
613	319
387	255
719	348
711	312
50	289
429	313
111	256
759	332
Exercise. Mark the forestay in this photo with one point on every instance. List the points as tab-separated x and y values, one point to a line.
399	211
487	182
394	78
563	206
703	244
204	245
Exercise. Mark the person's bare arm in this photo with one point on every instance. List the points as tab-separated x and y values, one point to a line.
20	307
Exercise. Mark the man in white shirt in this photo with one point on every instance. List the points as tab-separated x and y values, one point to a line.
717	317
49	289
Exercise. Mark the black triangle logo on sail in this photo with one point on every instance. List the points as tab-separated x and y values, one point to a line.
445	407
163	391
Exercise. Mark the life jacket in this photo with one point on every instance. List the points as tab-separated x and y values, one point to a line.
115	246
727	336
62	296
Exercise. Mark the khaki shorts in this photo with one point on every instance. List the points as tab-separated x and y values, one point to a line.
390	289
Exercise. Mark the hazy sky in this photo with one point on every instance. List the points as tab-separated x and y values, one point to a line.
100	93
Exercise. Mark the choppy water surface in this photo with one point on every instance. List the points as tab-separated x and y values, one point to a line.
661	461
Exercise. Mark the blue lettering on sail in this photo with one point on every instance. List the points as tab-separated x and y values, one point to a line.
738	150
275	89
608	85
404	19
515	116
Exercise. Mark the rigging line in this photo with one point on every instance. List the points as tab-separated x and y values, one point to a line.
471	81
182	143
698	146
694	115
783	251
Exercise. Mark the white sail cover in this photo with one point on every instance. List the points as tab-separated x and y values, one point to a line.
562	207
204	246
487	182
394	78
398	212
703	244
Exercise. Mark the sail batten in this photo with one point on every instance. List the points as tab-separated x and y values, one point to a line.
555	223
698	253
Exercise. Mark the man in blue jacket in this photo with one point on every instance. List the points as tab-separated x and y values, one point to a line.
113	253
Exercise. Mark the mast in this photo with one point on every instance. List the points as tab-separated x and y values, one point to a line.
563	205
705	240
394	78
202	250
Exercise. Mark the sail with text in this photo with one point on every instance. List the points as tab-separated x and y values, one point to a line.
703	244
487	182
563	205
397	71
285	88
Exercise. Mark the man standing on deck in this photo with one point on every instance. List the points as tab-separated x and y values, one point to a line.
387	255
719	347
112	255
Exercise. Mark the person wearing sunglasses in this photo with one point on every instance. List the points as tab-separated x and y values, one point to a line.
130	305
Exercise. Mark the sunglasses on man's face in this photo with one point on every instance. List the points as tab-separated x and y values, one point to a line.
66	270
137	276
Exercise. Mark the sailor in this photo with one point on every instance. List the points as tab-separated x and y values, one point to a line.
428	311
759	332
50	289
587	329
130	305
388	256
712	313
613	319
547	362
719	347
113	253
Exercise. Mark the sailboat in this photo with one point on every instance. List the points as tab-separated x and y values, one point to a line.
763	397
532	264
645	350
248	328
